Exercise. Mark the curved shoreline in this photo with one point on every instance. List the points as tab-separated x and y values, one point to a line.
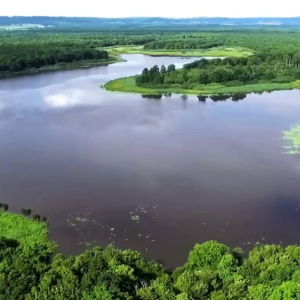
128	85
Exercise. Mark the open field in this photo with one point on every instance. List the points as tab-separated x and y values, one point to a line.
212	52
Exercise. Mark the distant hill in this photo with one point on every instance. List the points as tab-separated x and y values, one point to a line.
142	23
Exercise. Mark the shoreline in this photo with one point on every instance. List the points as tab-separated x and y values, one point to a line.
128	85
84	64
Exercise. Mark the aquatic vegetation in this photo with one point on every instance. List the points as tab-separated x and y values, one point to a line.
26	212
152	96
238	96
292	138
219	97
36	217
92	229
4	206
202	98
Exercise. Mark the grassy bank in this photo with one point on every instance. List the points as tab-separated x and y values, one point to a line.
65	66
127	84
24	230
212	52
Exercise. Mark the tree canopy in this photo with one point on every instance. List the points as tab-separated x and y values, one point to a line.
30	270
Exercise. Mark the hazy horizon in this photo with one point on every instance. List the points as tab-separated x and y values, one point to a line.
157	8
162	17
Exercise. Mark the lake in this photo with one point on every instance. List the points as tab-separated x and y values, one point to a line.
155	176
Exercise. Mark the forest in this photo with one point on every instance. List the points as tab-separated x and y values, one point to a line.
185	43
31	268
33	50
276	52
276	60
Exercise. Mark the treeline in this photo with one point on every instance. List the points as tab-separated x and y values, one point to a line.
260	68
276	60
184	43
30	271
21	51
264	41
19	57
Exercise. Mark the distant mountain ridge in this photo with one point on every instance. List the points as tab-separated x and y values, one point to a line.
146	22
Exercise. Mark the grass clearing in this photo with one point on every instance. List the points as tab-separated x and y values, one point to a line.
212	52
24	230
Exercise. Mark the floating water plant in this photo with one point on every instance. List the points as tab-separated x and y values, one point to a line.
292	138
36	218
3	206
26	212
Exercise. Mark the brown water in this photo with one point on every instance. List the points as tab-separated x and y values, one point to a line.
190	171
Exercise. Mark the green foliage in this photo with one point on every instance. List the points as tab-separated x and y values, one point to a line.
159	289
275	59
25	231
227	266
287	291
30	51
30	271
99	292
206	254
185	42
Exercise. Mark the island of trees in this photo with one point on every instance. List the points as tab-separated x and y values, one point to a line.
260	68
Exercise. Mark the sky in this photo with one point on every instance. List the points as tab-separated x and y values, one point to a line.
153	8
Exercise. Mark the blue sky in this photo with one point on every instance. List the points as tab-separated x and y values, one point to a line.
157	8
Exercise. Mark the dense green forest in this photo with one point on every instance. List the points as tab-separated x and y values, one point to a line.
276	60
264	41
183	42
30	269
33	49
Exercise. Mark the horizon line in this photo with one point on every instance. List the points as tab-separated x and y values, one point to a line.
152	17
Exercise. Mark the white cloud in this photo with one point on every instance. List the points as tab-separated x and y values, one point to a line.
167	8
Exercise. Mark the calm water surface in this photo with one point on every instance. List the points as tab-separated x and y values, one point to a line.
89	160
